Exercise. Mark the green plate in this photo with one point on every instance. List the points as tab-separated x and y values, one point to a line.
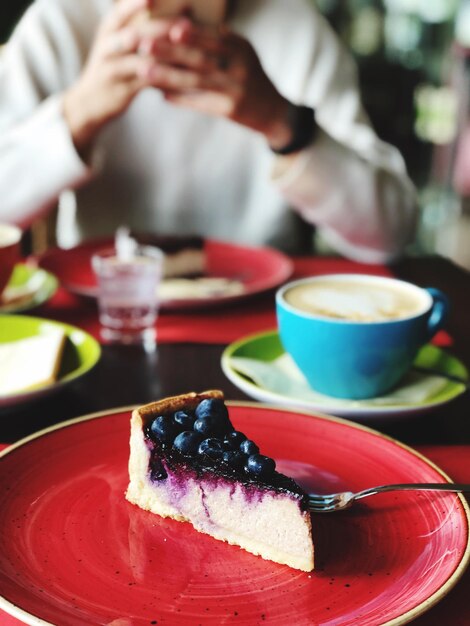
33	285
81	353
259	366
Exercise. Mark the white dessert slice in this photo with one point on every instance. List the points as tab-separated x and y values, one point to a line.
199	288
30	363
184	262
265	515
183	255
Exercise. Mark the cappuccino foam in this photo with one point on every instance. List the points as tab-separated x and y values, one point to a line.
358	301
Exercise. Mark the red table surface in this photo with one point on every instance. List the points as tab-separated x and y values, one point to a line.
212	325
454	609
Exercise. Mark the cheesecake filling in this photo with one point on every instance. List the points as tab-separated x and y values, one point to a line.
271	524
243	512
177	475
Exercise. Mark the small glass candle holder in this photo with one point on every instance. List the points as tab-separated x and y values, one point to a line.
128	295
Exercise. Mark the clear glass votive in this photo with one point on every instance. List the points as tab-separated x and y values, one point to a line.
128	295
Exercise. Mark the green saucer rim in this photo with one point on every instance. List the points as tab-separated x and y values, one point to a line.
23	272
85	349
429	356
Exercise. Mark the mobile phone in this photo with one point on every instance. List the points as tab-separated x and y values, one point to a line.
211	12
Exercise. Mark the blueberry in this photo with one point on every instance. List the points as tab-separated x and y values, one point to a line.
260	465
213	407
185	419
187	442
234	459
206	425
211	447
164	428
223	427
249	447
233	439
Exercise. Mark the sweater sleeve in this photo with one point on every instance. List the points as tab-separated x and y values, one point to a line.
350	184
38	159
365	210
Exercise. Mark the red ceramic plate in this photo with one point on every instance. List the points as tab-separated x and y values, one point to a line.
74	552
259	269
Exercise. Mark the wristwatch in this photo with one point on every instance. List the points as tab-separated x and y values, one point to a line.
301	120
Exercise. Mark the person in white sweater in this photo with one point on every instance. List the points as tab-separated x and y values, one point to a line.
170	126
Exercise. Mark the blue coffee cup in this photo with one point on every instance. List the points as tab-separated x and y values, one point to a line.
356	357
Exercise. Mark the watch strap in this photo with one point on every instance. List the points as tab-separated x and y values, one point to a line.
301	120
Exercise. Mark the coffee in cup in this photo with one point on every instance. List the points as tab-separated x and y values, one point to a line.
355	336
356	300
10	237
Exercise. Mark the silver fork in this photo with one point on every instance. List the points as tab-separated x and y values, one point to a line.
328	503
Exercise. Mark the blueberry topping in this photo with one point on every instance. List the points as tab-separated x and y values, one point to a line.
157	469
164	428
249	447
260	465
206	425
211	447
185	419
187	442
233	439
213	407
208	433
234	459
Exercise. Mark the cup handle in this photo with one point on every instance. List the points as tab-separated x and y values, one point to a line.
439	311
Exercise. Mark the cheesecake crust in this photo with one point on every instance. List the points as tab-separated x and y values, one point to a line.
171	404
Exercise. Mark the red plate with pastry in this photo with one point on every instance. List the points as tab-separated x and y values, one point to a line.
75	551
198	273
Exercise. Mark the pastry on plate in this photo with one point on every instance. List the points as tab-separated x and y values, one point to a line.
31	363
199	288
184	255
188	462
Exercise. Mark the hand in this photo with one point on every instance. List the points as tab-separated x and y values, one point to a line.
112	77
217	73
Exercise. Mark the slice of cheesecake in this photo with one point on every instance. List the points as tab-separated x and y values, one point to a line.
32	362
184	255
187	462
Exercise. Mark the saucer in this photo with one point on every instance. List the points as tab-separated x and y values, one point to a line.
259	366
28	288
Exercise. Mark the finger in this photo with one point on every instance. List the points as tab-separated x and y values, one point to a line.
216	49
215	39
129	68
228	50
121	43
178	79
185	56
185	28
153	32
123	12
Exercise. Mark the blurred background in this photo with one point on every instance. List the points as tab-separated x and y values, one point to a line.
414	66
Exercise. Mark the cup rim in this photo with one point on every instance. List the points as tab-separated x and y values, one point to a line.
282	302
15	234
